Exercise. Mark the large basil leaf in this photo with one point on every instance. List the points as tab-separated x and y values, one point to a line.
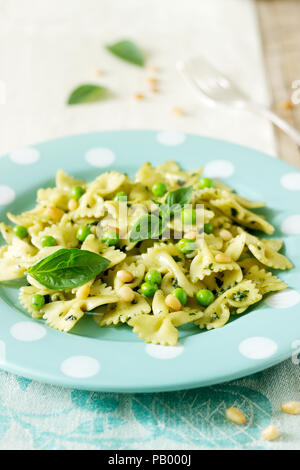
87	94
127	50
68	268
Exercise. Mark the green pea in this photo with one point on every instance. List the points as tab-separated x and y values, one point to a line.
148	290
189	216
186	245
77	192
206	183
208	228
37	301
121	196
205	297
21	231
153	277
181	295
110	237
48	241
83	233
159	189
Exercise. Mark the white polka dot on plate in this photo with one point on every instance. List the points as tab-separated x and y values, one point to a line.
26	156
100	157
291	181
219	169
163	352
7	195
171	138
27	331
258	348
291	225
80	367
284	299
2	352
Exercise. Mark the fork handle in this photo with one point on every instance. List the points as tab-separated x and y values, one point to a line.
277	120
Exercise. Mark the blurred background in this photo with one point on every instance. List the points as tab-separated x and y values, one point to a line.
48	48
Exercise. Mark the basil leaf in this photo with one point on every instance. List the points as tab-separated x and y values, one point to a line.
128	51
147	227
177	199
87	94
68	268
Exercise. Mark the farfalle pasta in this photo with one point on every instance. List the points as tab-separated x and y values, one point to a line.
161	250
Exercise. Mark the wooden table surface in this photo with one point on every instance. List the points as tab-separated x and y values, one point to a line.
280	30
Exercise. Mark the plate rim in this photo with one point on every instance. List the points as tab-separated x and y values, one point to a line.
75	383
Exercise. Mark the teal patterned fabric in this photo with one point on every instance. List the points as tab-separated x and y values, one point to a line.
38	416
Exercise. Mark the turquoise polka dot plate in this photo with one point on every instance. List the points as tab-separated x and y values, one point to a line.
114	359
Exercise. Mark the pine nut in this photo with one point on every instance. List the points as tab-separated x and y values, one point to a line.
83	292
270	433
138	96
125	276
172	302
72	206
152	80
177	112
291	407
126	294
225	235
287	104
222	258
235	415
192	235
54	213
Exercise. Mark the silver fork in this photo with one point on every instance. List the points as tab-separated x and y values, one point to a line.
219	89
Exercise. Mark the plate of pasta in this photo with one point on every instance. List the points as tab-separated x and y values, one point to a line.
141	261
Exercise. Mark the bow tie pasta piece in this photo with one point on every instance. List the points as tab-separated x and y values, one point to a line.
227	204
155	329
136	269
53	197
64	233
66	183
121	312
213	242
243	216
266	254
139	193
265	281
92	243
234	300
36	217
108	183
15	259
27	292
160	259
168	173
91	205
204	264
159	306
274	244
161	329
248	204
63	315
235	247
